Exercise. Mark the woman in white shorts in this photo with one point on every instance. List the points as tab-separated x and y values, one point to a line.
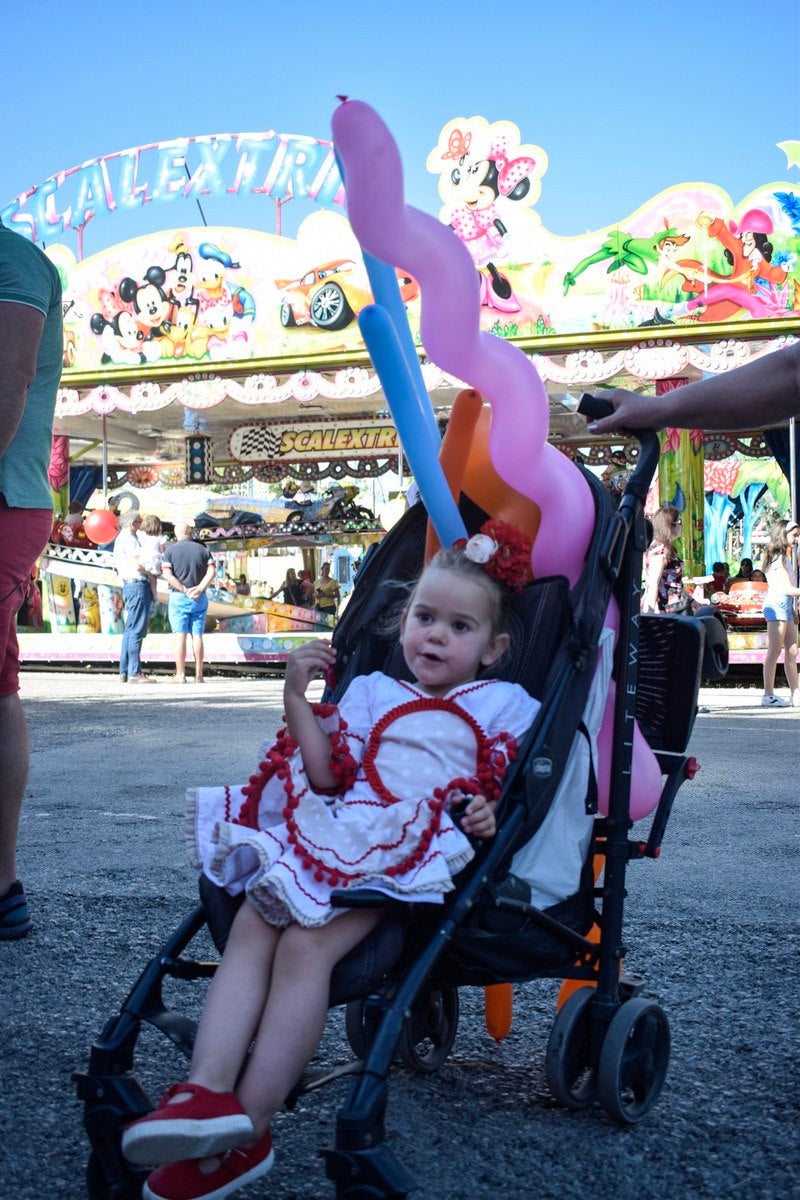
779	613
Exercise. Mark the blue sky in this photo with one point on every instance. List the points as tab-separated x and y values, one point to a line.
626	98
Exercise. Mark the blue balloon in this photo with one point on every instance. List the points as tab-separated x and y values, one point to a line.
381	338
386	292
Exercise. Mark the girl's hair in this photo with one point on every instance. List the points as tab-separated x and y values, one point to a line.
777	546
663	523
457	563
151	525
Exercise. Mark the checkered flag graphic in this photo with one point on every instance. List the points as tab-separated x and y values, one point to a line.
256	443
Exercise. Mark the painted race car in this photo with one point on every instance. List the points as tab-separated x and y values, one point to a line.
330	296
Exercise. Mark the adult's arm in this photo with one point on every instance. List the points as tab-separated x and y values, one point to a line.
653	573
172	578
760	394
21	328
205	582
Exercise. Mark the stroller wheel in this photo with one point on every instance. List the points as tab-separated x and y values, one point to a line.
429	1031
633	1061
567	1065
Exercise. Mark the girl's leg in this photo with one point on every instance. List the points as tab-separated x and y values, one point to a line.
790	655
775	635
295	1012
235	1002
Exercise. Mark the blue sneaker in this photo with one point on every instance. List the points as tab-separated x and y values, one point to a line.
15	918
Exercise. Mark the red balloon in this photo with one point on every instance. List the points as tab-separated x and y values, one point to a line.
101	526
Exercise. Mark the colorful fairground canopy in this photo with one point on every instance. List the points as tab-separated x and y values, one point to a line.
225	327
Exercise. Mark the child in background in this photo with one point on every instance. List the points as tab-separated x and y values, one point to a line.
152	543
361	794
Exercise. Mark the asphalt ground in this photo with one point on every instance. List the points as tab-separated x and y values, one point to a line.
712	925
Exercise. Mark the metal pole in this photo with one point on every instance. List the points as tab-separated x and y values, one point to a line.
793	466
105	463
793	484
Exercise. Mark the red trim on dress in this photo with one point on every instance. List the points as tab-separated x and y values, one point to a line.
493	756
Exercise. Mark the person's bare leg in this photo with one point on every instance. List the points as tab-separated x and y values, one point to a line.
294	1016
180	655
235	1001
14	761
790	655
775	635
197	646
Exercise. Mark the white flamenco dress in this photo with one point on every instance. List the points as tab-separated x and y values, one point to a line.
396	753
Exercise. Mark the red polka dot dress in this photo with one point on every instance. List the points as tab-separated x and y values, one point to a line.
396	753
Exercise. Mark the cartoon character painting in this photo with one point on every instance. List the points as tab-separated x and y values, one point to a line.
175	310
636	254
121	338
149	302
220	304
483	170
753	282
690	254
88	609
179	278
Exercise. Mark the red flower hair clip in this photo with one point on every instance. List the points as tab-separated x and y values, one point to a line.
503	551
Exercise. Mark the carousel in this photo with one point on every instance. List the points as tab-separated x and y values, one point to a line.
204	362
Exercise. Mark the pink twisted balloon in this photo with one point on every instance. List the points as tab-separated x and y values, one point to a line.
403	236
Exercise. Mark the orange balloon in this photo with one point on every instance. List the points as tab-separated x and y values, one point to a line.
571	985
485	487
498	1007
455	450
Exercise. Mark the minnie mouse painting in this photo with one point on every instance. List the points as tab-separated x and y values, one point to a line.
483	170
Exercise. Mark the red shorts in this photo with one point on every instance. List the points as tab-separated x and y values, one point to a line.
24	533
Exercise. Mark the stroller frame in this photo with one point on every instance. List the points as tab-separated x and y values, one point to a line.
607	1043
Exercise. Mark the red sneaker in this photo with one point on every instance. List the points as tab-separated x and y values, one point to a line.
185	1180
202	1124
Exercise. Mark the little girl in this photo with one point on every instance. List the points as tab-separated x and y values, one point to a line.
349	796
152	543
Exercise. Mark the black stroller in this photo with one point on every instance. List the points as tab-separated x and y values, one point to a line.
608	1042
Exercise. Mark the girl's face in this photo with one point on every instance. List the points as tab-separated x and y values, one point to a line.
792	537
446	633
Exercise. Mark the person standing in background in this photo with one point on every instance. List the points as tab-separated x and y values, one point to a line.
136	596
779	613
663	566
291	589
31	353
189	570
326	591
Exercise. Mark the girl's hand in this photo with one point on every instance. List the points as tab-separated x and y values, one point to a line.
306	662
478	819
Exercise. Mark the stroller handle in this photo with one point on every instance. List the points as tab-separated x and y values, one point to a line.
595	407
